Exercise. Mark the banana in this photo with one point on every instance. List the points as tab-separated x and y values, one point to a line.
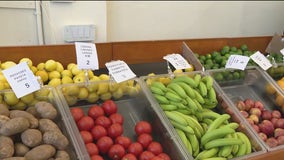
188	90
179	105
185	111
218	121
161	99
232	125
178	89
184	128
173	97
168	107
207	154
157	90
175	117
187	80
222	142
207	121
235	148
215	158
198	105
204	126
203	89
210	104
184	140
197	78
216	133
208	114
198	97
208	80
159	85
191	104
226	151
212	94
194	143
246	141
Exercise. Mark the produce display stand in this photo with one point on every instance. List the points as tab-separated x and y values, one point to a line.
137	53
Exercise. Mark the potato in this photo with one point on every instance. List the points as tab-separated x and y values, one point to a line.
62	155
15	158
48	125
4	110
46	110
3	119
20	149
57	139
32	111
6	147
31	137
41	152
17	113
14	126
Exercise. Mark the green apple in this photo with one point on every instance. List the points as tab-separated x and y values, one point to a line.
27	99
29	61
40	66
71	90
66	80
54	74
93	97
50	65
10	98
59	67
66	73
7	64
83	93
54	82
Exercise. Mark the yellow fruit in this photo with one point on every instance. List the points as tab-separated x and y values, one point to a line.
71	100
189	69
66	80
90	74
75	70
2	78
105	96
93	97
118	93
270	89
165	80
67	73
79	79
29	61
59	67
280	83
41	94
50	65
10	98
19	106
102	88
113	86
7	85
54	82
7	64
92	87
70	66
40	66
54	74
132	91
279	100
83	93
2	86
72	90
130	82
27	99
104	77
43	75
33	69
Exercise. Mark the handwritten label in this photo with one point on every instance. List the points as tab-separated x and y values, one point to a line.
177	61
237	62
87	57
120	71
261	60
21	79
282	51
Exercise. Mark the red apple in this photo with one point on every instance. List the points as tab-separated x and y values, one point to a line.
254	118
249	103
255	127
259	105
255	111
279	123
266	127
250	121
271	142
278	132
241	105
263	136
276	114
245	114
280	140
266	114
274	120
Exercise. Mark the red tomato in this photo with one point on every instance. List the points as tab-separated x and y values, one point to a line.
123	140
129	156
116	152
157	158
145	139
115	130
109	107
95	111
96	157
135	148
92	149
116	118
87	136
104	144
155	147
143	127
98	131
77	113
164	156
146	155
103	121
86	123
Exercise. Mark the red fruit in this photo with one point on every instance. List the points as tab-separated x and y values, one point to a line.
145	139
266	127
143	127
164	156
116	152
245	114
92	149
86	123
135	148
255	111
266	114
262	136
241	105
87	136
104	144
278	132
96	157
95	111
116	118
109	107
258	104
255	127
129	156
271	142
155	147
276	114
279	123
98	131
157	158
254	118
77	113
273	121
249	103
103	121
115	130
250	121
280	140
146	155
123	140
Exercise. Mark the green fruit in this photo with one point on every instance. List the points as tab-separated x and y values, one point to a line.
233	49
244	47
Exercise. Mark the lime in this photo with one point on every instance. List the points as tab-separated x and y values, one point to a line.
208	56
239	52
218	76
218	59
244	47
209	61
233	49
227	55
226	48
223	63
236	75
202	57
226	73
242	74
207	66
201	61
215	66
229	77
215	54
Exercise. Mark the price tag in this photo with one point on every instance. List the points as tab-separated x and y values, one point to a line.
21	79
237	62
120	71
261	60
87	57
177	61
282	51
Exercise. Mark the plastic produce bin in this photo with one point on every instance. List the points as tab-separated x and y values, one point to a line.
254	85
27	103
134	107
223	106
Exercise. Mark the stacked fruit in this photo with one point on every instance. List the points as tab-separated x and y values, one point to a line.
102	132
188	102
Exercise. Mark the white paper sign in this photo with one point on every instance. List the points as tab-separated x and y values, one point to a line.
120	71
237	62
177	61
261	60
282	51
87	57
21	79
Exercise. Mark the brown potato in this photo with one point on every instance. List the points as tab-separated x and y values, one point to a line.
18	113
3	119
57	139
4	110
48	125
41	152
62	155
46	110
20	149
32	111
15	158
6	147
14	126
31	137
